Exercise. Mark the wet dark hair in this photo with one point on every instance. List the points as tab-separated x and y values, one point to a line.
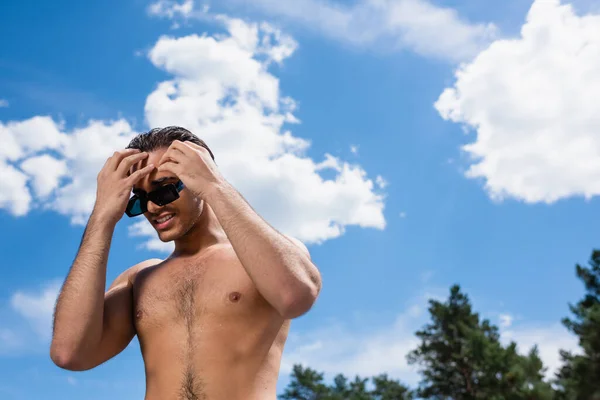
161	138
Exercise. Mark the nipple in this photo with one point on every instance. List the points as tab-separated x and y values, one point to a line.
235	296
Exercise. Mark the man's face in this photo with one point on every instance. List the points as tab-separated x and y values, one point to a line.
173	220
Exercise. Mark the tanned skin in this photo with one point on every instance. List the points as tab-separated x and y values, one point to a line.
212	318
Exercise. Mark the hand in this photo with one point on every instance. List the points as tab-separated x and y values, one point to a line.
115	183
193	165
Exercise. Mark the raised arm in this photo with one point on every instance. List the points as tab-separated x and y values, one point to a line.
117	326
82	313
279	266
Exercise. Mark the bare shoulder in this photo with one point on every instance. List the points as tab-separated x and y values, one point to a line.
298	243
128	276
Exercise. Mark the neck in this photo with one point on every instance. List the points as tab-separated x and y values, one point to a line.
205	233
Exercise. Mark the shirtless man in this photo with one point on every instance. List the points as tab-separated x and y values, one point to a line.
213	317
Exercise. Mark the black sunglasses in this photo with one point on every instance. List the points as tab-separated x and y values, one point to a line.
138	203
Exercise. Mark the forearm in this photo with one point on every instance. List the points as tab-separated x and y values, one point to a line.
281	271
80	305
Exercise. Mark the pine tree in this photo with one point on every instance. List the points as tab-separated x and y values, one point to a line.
389	389
579	377
461	358
307	384
526	378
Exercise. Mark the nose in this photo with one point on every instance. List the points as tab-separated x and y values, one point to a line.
153	208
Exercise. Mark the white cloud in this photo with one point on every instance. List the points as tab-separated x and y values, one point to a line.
25	138
3	103
352	351
37	308
26	326
354	149
220	88
46	172
86	151
14	194
363	348
418	25
531	101
20	140
229	97
69	173
170	8
381	182
403	214
143	228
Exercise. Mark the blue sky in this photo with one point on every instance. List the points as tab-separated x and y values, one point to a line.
411	144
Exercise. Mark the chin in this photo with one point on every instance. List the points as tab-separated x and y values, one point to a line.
169	234
177	231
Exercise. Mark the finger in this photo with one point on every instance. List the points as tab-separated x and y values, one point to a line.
192	145
119	155
129	161
170	167
139	174
197	147
135	167
181	147
170	156
107	162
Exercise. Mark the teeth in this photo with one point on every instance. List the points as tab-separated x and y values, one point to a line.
164	219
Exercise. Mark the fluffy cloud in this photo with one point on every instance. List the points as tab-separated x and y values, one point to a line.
222	89
22	141
26	325
381	182
86	152
417	25
231	99
37	308
366	352
14	194
47	166
24	138
143	228
46	172
170	9
531	102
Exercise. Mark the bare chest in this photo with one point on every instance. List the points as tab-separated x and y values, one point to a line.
185	293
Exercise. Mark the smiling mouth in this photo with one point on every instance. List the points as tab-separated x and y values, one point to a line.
163	221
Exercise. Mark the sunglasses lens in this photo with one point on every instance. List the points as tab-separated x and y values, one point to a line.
165	195
134	207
